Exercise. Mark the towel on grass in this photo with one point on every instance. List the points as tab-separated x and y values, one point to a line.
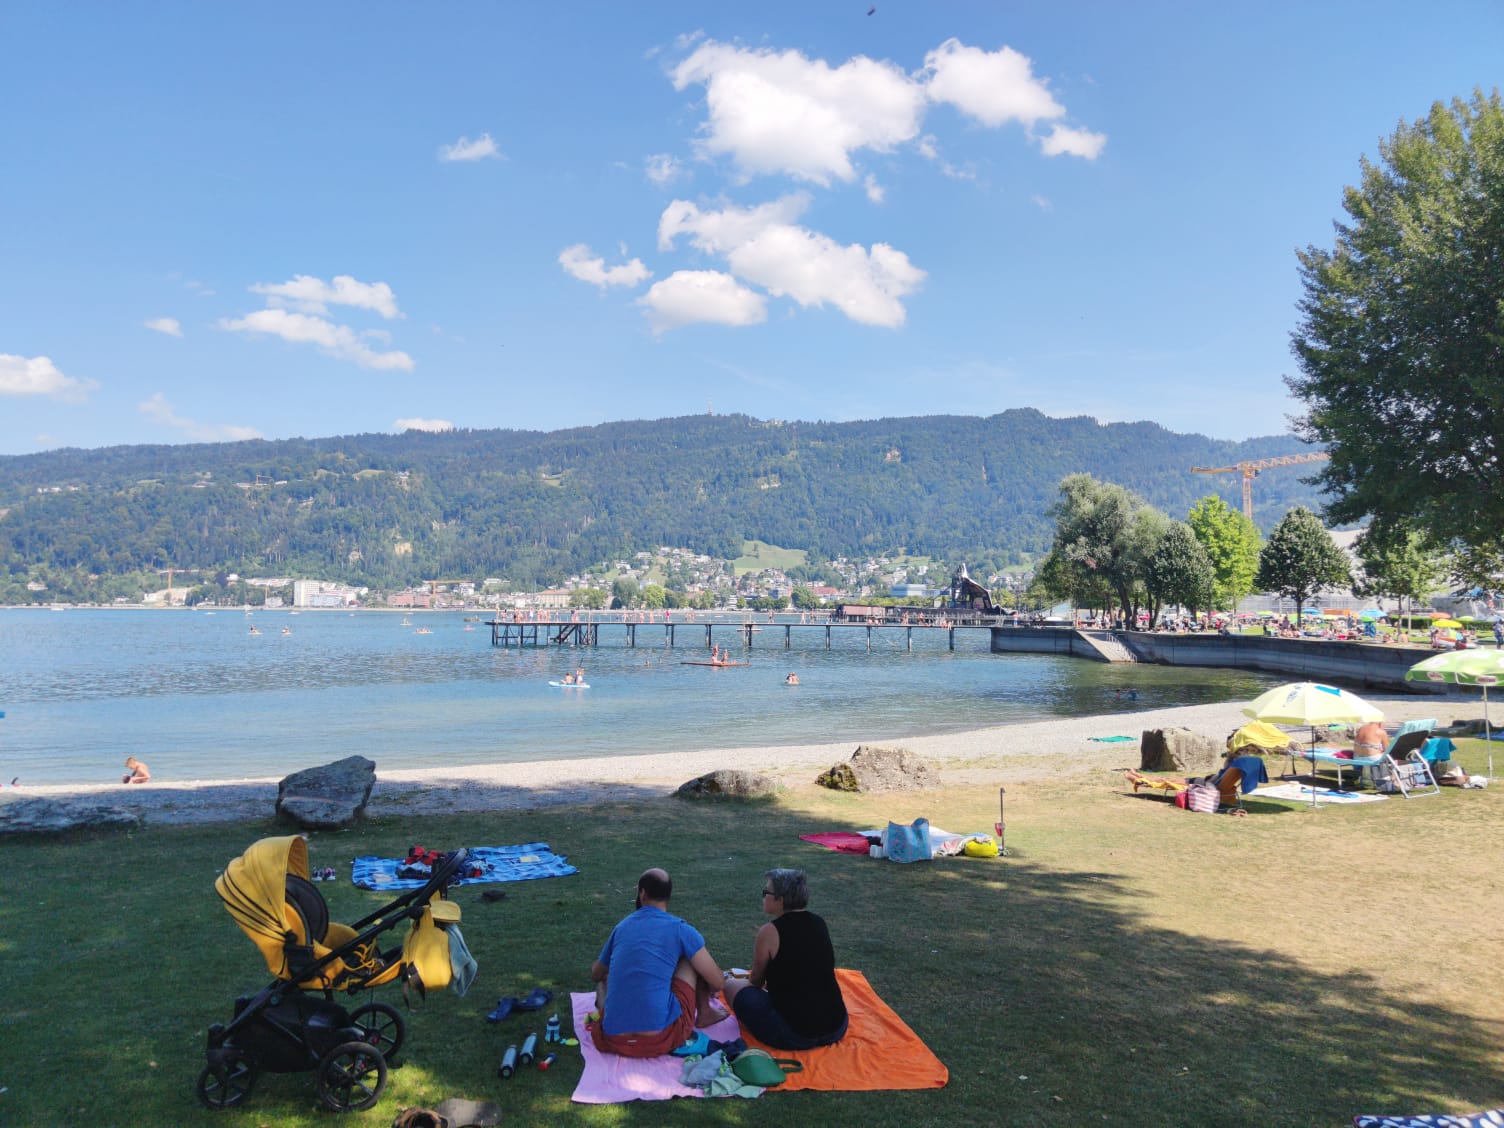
497	863
612	1079
1301	793
878	1052
846	841
1491	1119
1111	739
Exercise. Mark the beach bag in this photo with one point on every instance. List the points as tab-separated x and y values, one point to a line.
980	846
908	843
1202	797
758	1067
425	949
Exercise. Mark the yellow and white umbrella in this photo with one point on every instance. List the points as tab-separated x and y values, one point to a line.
1311	703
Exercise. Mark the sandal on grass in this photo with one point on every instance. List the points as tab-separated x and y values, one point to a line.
504	1006
537	999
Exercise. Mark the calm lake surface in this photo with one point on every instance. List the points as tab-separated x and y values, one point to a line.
197	696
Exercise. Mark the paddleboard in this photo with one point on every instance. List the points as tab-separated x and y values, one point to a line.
717	665
570	685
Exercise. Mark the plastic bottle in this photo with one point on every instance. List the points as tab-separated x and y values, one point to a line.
551	1029
508	1064
548	1061
529	1048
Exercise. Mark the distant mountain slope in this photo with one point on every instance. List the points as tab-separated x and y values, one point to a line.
391	509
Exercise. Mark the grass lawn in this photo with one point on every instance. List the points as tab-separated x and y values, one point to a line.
758	555
1129	964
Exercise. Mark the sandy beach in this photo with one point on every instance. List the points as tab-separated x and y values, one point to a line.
999	754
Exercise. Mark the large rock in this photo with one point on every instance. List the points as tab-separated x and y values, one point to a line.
728	784
56	816
327	797
874	768
1180	750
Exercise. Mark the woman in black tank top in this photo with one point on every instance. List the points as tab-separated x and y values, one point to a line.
799	1005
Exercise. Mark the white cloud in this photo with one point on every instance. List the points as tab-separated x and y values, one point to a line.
337	340
467	150
998	87
159	409
434	425
38	376
781	112
689	296
313	295
873	188
587	267
763	247
1073	142
1042	203
168	325
927	147
662	168
995	87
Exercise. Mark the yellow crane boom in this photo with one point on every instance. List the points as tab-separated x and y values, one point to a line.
1250	471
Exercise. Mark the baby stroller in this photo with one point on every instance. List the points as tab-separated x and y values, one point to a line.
294	1025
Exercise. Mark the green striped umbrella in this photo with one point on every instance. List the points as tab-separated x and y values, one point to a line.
1482	668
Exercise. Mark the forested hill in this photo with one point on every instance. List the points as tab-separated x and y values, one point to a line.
534	507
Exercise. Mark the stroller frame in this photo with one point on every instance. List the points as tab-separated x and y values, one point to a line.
286	1028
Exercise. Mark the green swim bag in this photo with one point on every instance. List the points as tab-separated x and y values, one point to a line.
758	1067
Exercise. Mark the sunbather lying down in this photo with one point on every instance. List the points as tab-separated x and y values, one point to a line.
1138	779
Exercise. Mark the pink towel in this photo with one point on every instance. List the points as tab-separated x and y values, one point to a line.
846	841
609	1079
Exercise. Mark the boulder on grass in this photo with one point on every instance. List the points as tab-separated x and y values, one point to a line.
727	784
1180	750
875	768
55	816
327	797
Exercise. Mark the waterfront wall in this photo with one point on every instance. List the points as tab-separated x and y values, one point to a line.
1304	659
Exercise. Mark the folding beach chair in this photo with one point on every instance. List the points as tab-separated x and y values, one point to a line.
1401	769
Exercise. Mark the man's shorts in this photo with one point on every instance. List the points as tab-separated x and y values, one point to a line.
671	1037
754	1010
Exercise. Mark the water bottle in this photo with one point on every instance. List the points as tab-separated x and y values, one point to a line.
551	1029
508	1064
529	1045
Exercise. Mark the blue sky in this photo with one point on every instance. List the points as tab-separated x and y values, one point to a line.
229	220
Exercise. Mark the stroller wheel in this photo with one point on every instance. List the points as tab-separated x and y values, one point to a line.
226	1085
381	1025
351	1077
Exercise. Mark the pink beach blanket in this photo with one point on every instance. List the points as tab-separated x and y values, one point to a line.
846	841
609	1079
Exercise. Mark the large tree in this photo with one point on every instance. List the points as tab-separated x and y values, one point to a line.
1099	532
1300	559
1179	571
1232	545
1401	565
1401	340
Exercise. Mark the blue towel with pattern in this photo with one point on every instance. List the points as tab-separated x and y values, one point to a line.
1491	1119
527	862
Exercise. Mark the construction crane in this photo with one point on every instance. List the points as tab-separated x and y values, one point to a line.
1250	471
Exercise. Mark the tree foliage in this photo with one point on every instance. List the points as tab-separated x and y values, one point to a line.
1401	341
1232	546
1300	558
1179	570
1403	566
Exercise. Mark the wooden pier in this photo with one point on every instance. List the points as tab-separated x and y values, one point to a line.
517	633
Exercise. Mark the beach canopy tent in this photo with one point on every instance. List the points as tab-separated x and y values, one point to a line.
1311	703
1481	668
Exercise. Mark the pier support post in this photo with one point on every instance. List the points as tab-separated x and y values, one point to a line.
909	639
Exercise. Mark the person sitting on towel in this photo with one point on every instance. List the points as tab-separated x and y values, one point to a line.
790	999
653	978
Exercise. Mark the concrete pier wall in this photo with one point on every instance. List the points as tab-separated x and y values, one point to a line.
1303	659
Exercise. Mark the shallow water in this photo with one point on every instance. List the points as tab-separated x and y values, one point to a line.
198	697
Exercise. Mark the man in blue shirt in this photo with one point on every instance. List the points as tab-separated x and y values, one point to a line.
653	978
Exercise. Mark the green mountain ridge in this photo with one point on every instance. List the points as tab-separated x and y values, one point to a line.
534	507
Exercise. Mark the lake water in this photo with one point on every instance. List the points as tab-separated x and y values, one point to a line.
196	696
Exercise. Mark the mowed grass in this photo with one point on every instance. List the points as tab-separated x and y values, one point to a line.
1128	964
758	555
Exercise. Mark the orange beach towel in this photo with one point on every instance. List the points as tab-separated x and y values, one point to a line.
878	1052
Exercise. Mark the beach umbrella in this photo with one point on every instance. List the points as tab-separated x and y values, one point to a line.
1482	668
1370	613
1311	703
1446	624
